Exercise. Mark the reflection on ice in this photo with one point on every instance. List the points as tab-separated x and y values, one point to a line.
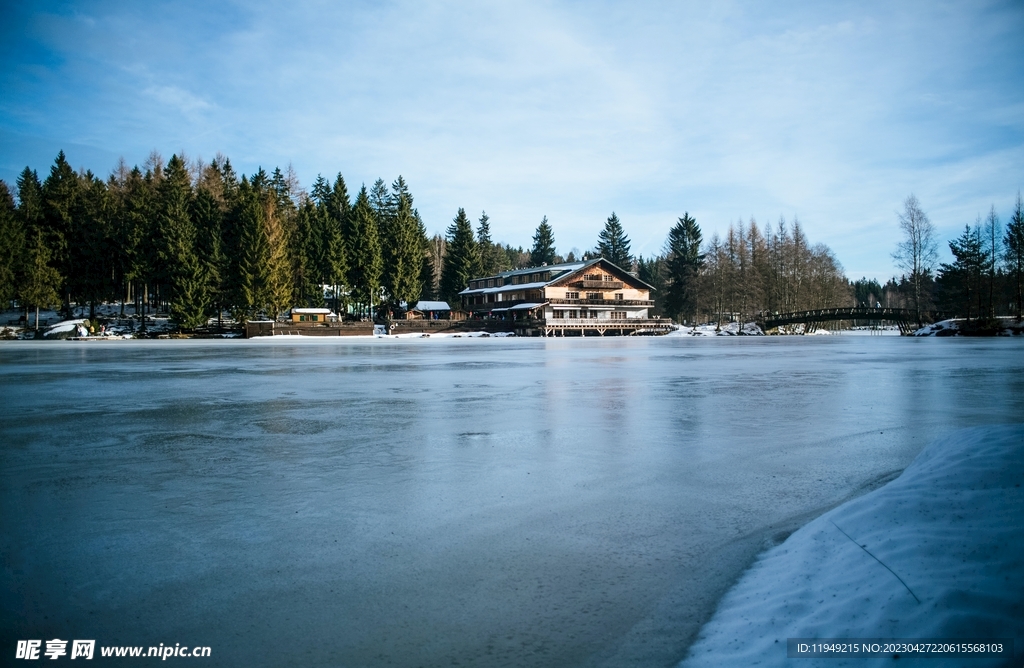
490	501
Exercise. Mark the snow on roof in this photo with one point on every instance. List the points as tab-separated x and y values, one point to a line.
933	554
64	326
505	288
558	271
311	310
525	307
431	306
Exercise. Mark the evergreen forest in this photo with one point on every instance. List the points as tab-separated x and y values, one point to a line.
197	241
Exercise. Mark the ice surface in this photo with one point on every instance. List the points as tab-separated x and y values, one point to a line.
950	527
483	501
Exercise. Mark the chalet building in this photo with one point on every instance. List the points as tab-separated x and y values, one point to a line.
592	298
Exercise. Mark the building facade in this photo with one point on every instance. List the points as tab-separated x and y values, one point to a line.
572	299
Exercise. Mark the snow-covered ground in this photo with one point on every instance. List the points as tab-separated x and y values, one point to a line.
728	329
952	327
937	553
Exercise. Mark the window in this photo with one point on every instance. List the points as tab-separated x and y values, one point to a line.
593	295
618	315
558	314
608	277
490	283
592	277
618	296
572	295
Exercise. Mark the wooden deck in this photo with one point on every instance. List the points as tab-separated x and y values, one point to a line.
593	327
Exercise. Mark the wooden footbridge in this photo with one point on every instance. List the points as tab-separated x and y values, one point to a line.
905	319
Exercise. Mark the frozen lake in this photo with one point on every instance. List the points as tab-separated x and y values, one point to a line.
481	502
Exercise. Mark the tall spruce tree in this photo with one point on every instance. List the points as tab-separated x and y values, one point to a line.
543	251
207	215
1013	252
185	274
403	249
61	201
961	282
41	280
684	262
461	259
264	284
493	259
12	246
336	211
364	253
309	254
90	255
613	244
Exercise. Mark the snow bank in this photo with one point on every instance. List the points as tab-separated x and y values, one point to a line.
954	327
729	329
951	527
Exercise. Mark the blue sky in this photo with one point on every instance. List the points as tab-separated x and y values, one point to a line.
829	112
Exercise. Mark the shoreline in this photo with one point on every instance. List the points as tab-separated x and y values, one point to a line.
925	504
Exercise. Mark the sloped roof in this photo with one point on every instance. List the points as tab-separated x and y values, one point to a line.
431	306
565	271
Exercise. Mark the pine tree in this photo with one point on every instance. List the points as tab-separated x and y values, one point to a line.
264	272
403	251
133	233
60	206
684	262
543	251
42	281
613	244
364	254
30	201
90	248
1013	251
961	281
336	212
186	277
493	259
207	215
461	259
309	254
12	246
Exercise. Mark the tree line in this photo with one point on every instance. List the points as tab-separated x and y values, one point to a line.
983	281
747	272
196	240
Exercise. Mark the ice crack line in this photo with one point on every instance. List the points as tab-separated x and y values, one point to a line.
878	560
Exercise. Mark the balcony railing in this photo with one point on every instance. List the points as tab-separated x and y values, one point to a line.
604	302
603	323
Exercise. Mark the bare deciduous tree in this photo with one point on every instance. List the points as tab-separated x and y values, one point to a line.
918	252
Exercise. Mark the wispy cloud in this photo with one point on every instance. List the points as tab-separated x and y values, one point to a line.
832	112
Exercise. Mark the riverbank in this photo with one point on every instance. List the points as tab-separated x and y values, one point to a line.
937	553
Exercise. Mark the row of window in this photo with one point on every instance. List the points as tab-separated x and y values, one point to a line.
561	315
537	277
593	295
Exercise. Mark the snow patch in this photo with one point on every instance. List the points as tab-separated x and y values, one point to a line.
728	329
949	527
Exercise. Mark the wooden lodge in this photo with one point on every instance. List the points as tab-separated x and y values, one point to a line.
592	298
